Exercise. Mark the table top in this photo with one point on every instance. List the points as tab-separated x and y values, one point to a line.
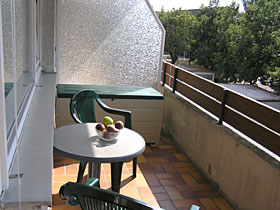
106	91
80	142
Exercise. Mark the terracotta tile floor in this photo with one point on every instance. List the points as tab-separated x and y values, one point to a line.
165	178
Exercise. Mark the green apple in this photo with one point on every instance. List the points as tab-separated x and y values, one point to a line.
107	121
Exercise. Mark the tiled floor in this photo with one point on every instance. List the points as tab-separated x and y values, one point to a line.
165	178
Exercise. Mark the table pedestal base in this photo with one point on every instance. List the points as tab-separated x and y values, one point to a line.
116	173
94	170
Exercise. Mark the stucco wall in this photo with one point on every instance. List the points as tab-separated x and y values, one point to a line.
108	42
247	176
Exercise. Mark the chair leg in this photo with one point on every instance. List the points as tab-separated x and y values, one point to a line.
82	168
134	166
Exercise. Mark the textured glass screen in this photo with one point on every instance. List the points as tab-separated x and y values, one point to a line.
105	42
16	53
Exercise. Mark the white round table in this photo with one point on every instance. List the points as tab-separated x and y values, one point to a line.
80	142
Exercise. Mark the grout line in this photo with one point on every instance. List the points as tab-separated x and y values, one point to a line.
64	169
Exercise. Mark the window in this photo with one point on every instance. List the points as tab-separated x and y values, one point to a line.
21	69
3	143
38	54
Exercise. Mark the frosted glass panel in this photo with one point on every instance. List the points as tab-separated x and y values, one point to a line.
105	42
20	57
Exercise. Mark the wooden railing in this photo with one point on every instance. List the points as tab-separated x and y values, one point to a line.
256	120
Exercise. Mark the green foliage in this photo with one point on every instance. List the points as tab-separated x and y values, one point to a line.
178	26
259	45
240	47
210	46
248	2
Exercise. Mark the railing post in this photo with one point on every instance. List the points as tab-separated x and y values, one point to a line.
221	119
164	74
174	81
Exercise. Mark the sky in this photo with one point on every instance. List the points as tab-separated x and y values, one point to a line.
186	4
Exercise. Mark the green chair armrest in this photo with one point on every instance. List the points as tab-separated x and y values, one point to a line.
87	95
125	113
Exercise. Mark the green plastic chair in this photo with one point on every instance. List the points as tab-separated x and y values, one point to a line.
94	198
82	111
90	196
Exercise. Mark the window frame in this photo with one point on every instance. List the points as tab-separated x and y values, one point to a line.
36	43
7	157
4	182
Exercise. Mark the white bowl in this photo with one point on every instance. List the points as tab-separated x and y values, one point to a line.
107	136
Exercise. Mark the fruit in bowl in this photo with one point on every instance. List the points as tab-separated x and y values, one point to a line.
119	125
107	130
107	121
100	127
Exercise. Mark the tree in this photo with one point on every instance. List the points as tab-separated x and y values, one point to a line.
210	47
178	25
240	47
259	44
204	34
247	3
224	57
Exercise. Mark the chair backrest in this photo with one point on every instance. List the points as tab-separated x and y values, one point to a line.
93	198
82	106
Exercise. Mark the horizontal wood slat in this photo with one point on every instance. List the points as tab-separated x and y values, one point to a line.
263	136
264	115
202	100
201	84
261	115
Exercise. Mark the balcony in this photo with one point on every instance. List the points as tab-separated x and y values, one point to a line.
200	158
215	148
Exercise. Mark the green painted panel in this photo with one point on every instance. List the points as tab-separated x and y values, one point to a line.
105	91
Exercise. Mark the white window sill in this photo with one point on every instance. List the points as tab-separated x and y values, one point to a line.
36	148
